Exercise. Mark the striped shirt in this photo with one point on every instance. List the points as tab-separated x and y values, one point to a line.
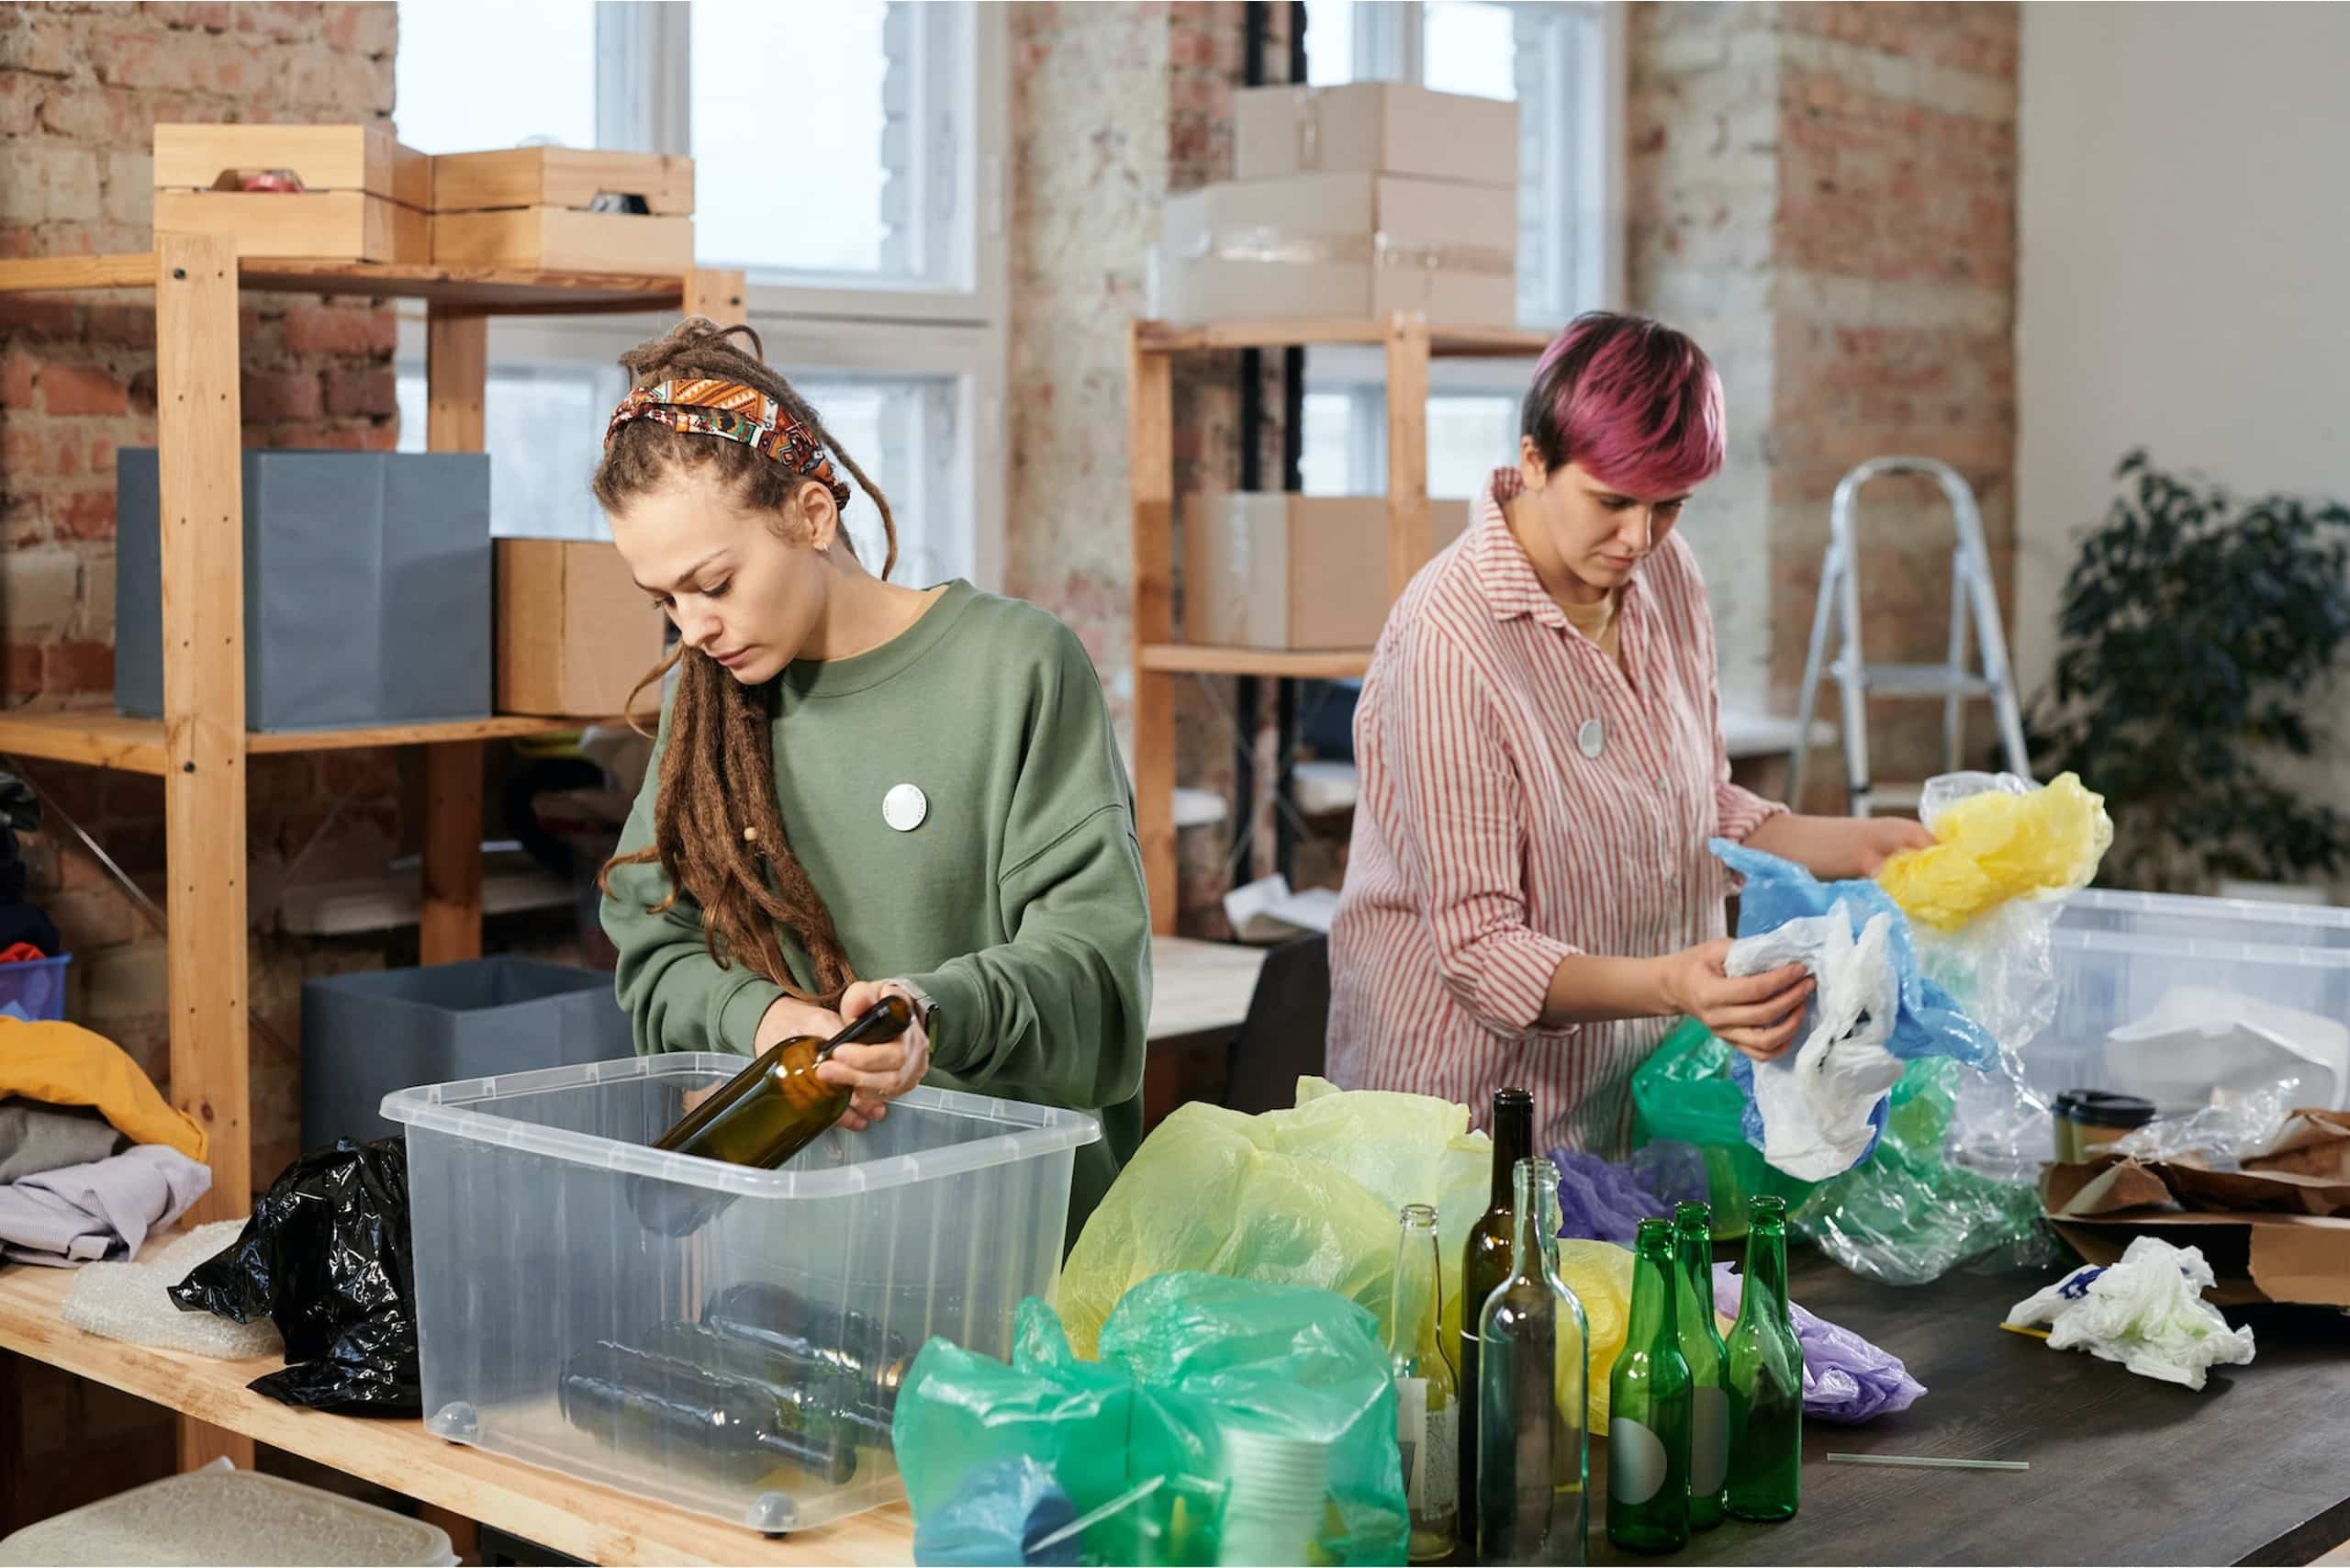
1490	843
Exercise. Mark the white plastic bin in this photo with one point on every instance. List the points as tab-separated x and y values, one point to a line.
2179	916
530	1254
2295	1004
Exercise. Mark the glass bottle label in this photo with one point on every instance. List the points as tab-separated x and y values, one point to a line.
1636	1461
1411	1437
1443	1463
1708	1440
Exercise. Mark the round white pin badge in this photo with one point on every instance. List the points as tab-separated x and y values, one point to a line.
904	807
1592	739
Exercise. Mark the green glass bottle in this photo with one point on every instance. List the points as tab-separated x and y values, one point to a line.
1486	1261
1647	1409
666	1409
869	1358
760	1117
1427	1408
1534	1361
1701	1346
1764	1378
817	1399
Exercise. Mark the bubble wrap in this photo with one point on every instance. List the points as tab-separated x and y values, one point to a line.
126	1301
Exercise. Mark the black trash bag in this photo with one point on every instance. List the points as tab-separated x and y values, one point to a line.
326	1256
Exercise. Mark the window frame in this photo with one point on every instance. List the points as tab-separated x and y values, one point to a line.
836	324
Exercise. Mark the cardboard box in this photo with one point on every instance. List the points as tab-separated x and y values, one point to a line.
1375	127
2283	1253
1349	247
575	632
356	194
554	208
1296	573
367	588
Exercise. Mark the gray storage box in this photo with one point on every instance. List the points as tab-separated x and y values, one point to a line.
366	1036
367	588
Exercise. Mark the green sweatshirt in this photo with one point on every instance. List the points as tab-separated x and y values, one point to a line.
1017	904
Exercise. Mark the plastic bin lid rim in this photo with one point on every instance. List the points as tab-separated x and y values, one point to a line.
2141	945
1030	1130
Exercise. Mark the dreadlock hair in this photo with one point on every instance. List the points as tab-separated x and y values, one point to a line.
718	832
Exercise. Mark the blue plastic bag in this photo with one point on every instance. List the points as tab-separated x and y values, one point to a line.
1929	1022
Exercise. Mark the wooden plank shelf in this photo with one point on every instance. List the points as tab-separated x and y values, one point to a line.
1187	659
139	745
1444	343
490	289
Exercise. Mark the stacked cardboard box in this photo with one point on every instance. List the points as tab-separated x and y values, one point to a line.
1351	202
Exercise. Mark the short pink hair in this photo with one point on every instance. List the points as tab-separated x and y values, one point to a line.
1634	402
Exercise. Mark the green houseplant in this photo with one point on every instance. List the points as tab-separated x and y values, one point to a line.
2197	627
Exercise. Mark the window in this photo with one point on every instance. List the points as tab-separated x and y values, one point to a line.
1562	62
864	200
1471	433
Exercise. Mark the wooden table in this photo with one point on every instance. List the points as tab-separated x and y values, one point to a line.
574	1518
2254	1469
1200	987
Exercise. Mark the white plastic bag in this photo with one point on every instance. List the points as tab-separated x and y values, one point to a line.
2146	1312
1819	1102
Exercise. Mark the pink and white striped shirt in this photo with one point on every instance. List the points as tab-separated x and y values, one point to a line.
1490	843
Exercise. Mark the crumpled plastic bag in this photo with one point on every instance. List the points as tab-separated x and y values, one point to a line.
2146	1312
1998	839
326	1256
1682	1093
1871	967
1845	1379
1306	1196
1183	1356
1006	1509
1602	1200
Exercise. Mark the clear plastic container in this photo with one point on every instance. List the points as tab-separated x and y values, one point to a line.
530	1254
2175	1018
2179	916
219	1515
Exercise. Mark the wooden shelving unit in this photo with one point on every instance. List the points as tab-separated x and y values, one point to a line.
1159	660
200	744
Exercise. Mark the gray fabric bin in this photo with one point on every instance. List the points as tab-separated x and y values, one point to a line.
366	1036
367	588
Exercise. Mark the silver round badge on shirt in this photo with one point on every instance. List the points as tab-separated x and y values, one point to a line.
904	807
1592	739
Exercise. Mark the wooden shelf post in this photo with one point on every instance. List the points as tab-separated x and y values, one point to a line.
200	437
1150	457
1408	542
456	380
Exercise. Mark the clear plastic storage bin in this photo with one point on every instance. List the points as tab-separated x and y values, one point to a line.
2179	916
747	1368
2173	1017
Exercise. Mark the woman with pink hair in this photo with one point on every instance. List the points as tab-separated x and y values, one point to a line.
1529	900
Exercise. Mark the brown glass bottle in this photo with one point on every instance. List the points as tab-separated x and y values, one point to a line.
827	1341
760	1117
1485	1258
819	1399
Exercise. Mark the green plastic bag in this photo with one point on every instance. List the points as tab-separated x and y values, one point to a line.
1307	1196
1183	1356
1683	1092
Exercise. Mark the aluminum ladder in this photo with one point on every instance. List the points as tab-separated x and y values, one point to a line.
1971	597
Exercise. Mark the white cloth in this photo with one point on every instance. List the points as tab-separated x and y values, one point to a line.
1815	1100
2146	1312
104	1209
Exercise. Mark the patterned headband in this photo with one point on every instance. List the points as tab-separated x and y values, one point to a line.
737	412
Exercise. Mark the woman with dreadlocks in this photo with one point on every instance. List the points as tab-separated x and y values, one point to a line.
859	788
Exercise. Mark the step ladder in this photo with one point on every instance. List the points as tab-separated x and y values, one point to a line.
1971	598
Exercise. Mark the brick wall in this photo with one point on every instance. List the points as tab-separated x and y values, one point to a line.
1113	108
1824	193
82	88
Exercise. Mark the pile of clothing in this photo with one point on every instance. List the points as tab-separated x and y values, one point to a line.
91	1157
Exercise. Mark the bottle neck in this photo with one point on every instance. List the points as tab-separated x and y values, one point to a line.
1513	1141
1534	1220
1412	1306
1653	1285
1766	1272
1693	1257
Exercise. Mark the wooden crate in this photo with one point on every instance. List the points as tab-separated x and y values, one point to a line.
529	207
362	195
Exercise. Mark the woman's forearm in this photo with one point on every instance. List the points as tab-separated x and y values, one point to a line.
1585	989
1821	845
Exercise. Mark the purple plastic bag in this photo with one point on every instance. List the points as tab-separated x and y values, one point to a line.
1845	1378
1605	1201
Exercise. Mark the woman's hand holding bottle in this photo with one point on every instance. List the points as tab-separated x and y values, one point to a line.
877	1073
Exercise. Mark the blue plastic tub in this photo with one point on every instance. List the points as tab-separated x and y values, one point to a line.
34	989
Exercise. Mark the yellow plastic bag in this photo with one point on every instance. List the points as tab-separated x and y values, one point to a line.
1995	846
1306	1196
